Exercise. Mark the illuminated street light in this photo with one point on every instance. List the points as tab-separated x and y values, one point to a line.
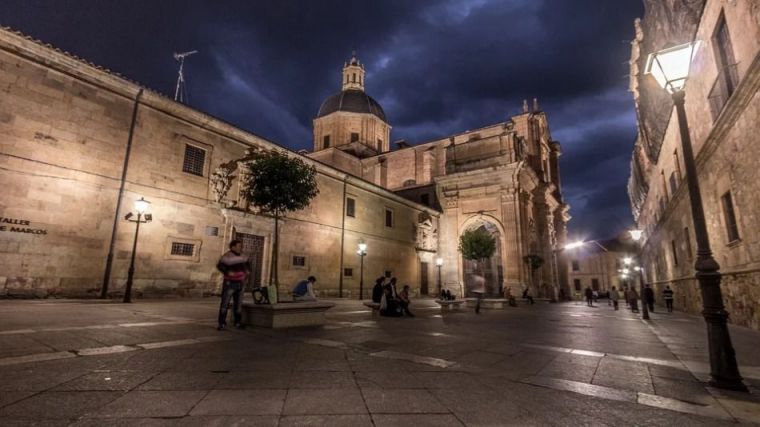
670	67
439	264
362	252
574	245
141	206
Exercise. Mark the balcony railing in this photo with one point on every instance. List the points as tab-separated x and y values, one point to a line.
725	85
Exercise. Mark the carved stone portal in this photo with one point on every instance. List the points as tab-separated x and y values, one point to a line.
426	233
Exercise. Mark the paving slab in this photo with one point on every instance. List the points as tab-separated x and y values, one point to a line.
336	401
142	404
241	402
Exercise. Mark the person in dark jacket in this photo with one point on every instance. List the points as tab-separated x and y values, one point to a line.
235	267
649	297
404	301
667	294
377	290
589	297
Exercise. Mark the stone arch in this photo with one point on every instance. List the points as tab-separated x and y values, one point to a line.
493	268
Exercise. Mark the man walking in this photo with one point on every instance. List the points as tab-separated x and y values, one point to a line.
649	297
589	297
614	297
235	266
667	294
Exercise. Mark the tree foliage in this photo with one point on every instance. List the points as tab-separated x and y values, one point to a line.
278	183
477	244
534	261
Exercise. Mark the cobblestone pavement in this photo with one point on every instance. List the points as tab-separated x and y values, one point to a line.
163	363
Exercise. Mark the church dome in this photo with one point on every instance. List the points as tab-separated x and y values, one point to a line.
354	101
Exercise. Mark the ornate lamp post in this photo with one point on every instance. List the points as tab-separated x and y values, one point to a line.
140	206
670	67
362	252
439	264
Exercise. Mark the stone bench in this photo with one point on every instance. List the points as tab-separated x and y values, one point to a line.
495	303
286	314
450	304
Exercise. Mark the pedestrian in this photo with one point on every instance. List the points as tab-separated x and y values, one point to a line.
633	300
667	294
614	297
404	301
626	297
377	290
527	296
235	267
304	290
478	289
561	294
389	305
649	297
589	297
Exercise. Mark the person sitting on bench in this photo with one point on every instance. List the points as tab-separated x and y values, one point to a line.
304	290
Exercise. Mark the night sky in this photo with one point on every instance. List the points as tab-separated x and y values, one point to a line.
436	67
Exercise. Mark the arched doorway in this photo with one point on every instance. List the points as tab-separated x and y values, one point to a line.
491	269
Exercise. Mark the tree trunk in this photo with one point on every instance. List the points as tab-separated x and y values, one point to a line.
275	249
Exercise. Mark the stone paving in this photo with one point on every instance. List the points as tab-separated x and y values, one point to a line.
163	363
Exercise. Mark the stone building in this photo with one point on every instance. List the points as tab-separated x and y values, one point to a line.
80	144
599	267
722	107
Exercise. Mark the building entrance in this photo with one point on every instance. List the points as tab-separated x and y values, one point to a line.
253	247
424	277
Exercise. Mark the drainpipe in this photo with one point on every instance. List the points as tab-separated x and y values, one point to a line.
109	258
342	239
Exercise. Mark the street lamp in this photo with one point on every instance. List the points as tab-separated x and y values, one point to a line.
362	252
141	206
670	67
439	264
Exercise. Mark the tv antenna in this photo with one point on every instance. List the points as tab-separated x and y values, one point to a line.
180	93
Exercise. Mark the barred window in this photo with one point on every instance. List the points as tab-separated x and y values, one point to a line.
182	249
195	160
348	272
299	261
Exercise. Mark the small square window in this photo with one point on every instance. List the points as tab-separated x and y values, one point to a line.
354	136
348	272
299	261
195	160
350	207
388	218
182	249
212	231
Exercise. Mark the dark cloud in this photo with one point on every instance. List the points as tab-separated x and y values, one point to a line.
437	67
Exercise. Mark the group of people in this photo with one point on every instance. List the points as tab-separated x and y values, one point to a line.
392	303
631	297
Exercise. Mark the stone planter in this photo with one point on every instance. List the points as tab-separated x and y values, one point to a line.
286	314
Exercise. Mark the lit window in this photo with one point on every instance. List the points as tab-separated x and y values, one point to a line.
182	249
195	159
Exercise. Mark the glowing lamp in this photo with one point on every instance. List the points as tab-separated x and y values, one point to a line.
670	67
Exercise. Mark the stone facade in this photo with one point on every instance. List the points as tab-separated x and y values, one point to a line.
599	267
722	107
503	177
80	144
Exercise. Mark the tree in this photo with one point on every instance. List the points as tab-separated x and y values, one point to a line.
477	245
534	262
278	184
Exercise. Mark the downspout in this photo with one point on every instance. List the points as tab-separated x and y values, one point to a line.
109	258
342	239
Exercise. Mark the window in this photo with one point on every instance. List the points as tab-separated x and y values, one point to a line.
595	284
353	78
182	249
673	183
195	160
212	231
388	217
730	217
687	242
350	207
664	186
348	272
299	261
678	165
425	199
354	136
728	78
576	265
326	141
675	252
577	284
379	145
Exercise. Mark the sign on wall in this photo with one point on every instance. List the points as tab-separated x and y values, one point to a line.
15	225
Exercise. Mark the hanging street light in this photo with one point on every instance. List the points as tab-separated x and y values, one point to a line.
670	67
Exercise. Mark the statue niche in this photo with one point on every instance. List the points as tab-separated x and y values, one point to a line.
426	235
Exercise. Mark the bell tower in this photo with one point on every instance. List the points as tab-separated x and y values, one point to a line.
353	74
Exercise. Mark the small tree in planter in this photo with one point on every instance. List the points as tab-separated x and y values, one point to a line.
278	184
534	263
477	245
